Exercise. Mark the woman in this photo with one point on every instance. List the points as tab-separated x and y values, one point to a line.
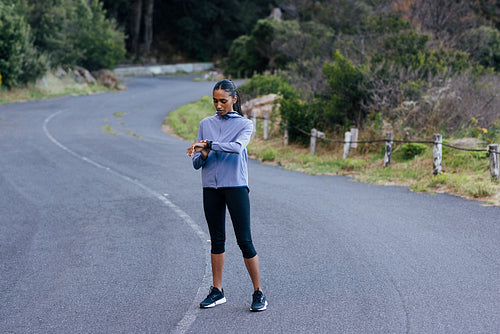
221	152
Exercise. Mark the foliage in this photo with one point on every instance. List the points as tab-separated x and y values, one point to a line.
269	154
185	120
255	52
20	62
204	30
483	44
76	33
294	112
267	84
104	45
243	58
408	151
345	95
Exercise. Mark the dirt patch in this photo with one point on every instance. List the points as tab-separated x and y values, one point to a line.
169	131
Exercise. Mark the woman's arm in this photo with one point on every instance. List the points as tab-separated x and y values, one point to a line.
239	144
197	150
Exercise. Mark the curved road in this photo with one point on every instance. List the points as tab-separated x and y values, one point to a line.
104	233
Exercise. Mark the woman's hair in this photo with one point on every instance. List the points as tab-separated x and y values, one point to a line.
230	87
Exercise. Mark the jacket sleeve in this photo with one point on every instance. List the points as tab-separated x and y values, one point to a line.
198	162
239	144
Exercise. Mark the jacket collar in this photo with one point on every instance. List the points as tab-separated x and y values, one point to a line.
229	115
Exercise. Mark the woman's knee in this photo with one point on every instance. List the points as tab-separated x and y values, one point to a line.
247	249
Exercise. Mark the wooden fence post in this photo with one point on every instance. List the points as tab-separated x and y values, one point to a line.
254	120
266	126
494	163
354	137
312	146
437	154
285	136
388	149
347	145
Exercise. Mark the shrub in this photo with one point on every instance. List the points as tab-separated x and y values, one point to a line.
20	63
243	59
483	44
77	33
104	45
409	151
267	84
269	154
345	93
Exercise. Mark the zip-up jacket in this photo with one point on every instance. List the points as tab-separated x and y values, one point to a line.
227	161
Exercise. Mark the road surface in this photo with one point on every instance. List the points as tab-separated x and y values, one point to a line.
102	231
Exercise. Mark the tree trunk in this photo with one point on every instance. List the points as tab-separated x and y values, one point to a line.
148	26
135	25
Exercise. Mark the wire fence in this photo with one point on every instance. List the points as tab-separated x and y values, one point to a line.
348	142
340	141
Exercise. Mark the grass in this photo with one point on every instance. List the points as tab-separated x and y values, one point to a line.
109	130
55	87
120	114
465	174
185	119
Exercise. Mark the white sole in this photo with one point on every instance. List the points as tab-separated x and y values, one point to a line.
218	302
260	309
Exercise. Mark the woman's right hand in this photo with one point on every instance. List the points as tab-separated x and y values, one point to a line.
199	146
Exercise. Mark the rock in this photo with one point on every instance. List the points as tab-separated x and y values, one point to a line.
60	72
43	82
259	106
467	143
83	75
275	14
212	75
106	78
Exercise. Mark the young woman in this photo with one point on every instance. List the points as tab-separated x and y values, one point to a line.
221	152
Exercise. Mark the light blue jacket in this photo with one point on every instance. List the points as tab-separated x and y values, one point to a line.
226	164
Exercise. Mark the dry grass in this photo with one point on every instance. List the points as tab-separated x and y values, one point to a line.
54	87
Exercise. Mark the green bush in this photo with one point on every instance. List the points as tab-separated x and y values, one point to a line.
76	33
483	44
294	112
267	84
269	154
256	52
104	45
243	58
409	151
345	93
20	63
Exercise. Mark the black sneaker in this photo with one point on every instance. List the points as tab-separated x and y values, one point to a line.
259	302
215	297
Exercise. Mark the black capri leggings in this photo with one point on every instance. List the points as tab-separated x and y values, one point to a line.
238	204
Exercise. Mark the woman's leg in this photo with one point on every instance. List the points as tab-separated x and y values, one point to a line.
217	267
253	269
238	204
214	206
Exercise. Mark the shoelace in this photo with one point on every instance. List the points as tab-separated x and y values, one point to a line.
258	296
212	293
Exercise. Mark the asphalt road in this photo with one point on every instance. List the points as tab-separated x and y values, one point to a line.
105	233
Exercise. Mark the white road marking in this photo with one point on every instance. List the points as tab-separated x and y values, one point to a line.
191	314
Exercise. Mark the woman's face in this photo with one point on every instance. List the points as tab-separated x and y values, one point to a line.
223	101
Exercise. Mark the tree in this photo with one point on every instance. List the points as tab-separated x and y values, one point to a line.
135	25
76	33
148	26
20	61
